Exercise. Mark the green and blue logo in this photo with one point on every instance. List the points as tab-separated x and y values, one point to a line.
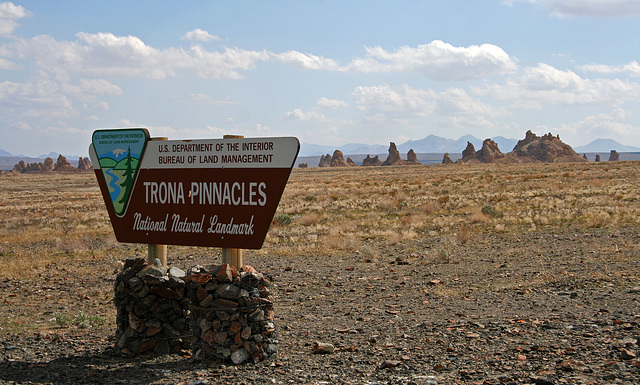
119	155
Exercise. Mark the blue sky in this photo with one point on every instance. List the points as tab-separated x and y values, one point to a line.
327	72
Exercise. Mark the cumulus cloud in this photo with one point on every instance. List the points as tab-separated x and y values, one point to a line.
602	125
457	102
199	36
543	85
404	101
208	100
305	61
437	60
590	8
299	115
632	69
48	99
332	103
108	55
7	65
9	13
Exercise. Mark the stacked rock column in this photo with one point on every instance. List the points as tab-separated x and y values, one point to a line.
152	309
232	314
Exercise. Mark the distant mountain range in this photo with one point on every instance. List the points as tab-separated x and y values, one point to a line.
431	144
437	144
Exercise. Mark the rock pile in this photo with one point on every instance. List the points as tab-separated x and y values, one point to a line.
394	158
84	164
369	161
152	309
412	158
61	165
325	161
337	160
487	154
531	149
547	148
232	314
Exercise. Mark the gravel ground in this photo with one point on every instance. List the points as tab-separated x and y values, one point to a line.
527	308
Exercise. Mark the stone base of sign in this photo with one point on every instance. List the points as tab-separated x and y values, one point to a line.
152	309
232	315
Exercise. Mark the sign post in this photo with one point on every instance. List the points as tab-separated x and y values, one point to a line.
232	256
158	251
204	192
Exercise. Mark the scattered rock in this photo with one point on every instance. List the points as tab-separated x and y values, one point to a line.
627	354
323	348
386	364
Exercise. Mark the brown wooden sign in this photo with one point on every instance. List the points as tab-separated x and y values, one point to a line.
218	192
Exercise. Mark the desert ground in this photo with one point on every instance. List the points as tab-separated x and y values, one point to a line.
459	274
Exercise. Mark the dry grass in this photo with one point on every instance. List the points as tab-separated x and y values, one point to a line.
48	218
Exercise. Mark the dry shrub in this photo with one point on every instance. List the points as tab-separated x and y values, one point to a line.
599	182
430	207
309	219
597	219
344	242
443	199
466	234
388	204
478	217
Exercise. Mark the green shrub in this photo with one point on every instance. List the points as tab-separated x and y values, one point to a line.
491	211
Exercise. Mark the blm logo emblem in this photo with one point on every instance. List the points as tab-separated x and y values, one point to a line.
119	154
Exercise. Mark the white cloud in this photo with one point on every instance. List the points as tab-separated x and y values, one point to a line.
332	103
208	100
438	60
602	126
200	36
219	65
632	69
591	8
9	13
38	100
457	102
108	55
303	61
92	87
594	8
411	108
299	115
404	101
544	85
22	126
7	65
49	100
102	106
